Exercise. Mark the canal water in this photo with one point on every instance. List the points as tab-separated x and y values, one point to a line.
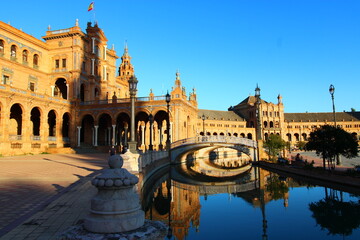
256	204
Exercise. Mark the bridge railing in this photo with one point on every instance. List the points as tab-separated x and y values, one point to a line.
218	139
150	157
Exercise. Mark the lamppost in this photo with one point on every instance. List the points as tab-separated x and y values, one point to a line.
132	88
332	90
168	99
151	119
258	122
203	118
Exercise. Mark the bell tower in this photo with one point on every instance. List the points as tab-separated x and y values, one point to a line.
126	69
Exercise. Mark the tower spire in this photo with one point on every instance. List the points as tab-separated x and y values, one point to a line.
177	80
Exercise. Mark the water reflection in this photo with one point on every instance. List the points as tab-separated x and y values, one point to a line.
248	206
336	215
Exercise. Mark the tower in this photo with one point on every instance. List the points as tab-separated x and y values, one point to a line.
126	69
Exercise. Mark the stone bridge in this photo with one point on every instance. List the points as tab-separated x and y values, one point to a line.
185	146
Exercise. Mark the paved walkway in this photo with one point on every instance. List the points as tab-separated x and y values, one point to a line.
32	184
346	163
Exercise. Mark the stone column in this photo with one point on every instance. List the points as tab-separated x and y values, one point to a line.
78	135
52	90
113	135
95	135
126	137
170	131
142	135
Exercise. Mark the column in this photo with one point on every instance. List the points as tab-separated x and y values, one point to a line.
93	45
92	66
142	135
78	135
67	91
52	90
160	138
170	131
113	135
105	50
104	73
126	136
96	135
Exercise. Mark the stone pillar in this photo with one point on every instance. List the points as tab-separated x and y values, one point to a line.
116	207
126	137
67	92
92	66
95	135
78	135
113	135
142	135
52	90
171	133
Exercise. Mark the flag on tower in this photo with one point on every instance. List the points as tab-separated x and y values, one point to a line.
91	6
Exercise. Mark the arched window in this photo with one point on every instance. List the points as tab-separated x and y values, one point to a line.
25	56
36	60
271	124
265	124
1	47
13	51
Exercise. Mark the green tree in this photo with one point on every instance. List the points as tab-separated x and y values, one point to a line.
274	145
329	142
301	145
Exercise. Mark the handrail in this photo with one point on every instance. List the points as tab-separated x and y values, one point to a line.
218	139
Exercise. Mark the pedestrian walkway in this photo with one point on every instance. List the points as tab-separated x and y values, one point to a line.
318	161
32	192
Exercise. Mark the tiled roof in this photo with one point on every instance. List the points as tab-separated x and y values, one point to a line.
250	100
322	117
219	115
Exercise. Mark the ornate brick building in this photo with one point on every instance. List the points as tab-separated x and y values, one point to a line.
66	92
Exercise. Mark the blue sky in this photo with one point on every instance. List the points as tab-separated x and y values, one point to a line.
223	48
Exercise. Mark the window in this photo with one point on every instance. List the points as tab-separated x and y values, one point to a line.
32	86
57	63
64	63
25	56
13	51
36	60
5	79
1	47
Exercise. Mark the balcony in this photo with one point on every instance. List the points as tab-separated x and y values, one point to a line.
51	139
15	137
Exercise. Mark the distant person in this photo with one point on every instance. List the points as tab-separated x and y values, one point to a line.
298	158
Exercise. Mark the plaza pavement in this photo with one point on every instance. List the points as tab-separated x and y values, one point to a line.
42	195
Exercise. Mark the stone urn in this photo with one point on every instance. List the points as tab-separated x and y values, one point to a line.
116	207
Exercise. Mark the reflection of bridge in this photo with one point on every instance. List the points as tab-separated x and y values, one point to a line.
216	189
189	145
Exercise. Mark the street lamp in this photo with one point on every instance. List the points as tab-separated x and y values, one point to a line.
331	91
258	120
168	99
203	118
133	89
151	119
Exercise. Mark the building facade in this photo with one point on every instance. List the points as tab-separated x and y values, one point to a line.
66	92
